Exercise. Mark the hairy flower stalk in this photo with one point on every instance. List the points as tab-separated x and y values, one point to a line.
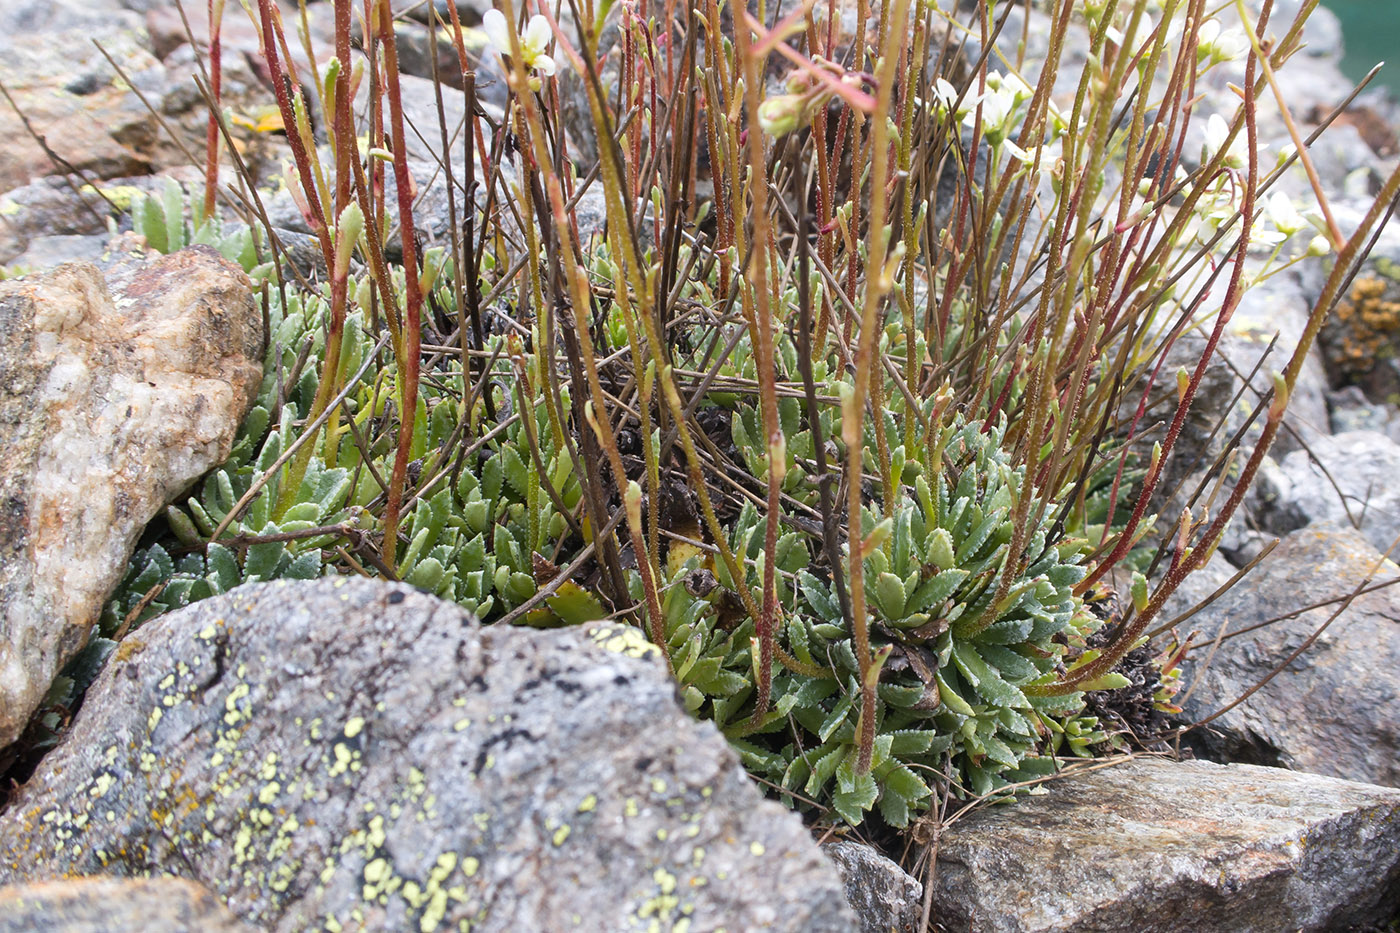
314	199
410	361
756	301
216	81
596	408
1343	269
878	284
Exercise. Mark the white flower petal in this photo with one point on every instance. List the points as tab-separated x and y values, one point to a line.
497	31
544	65
537	34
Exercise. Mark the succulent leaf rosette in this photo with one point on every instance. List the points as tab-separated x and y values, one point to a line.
958	647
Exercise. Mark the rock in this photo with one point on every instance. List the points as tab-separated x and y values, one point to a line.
45	252
346	752
71	95
1335	710
48	208
884	896
114	397
415	50
1155	846
1359	341
1258	340
1356	489
1352	411
51	209
112	905
422	132
469	12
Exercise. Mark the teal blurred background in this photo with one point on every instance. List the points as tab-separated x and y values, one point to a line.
1372	31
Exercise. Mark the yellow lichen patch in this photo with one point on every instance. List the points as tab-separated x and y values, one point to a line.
1366	322
587	804
623	639
662	907
119	196
129	646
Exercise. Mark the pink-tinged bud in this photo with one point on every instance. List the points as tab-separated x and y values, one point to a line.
782	114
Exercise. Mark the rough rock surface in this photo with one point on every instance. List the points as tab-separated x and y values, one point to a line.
1335	710
114	905
114	396
70	93
47	208
1156	846
351	754
1358	487
884	896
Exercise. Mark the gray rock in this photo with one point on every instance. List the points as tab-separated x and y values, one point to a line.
350	753
48	207
114	905
1353	411
1335	710
28	16
885	897
415	49
1358	487
1257	340
469	12
114	397
1154	846
45	252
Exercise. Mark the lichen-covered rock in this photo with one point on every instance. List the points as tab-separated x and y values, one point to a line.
115	905
1336	709
114	396
1154	846
350	754
884	896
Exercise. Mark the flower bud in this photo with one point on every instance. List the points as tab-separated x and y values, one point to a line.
782	114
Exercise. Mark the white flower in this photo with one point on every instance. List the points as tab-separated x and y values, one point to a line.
1024	156
1217	131
1263	236
1011	83
1217	45
945	97
996	110
1283	215
533	42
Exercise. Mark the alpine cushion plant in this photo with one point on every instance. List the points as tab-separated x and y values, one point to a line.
832	408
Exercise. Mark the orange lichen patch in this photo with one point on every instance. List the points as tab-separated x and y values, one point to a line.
1366	321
